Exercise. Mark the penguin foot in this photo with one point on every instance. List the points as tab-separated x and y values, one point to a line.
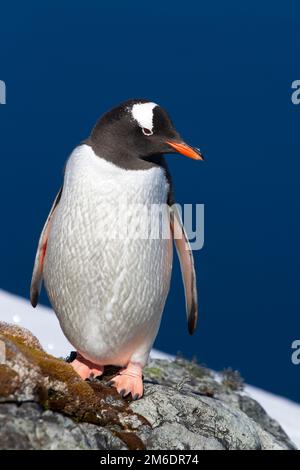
85	368
129	381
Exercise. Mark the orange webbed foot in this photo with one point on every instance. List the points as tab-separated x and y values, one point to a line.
85	368
129	381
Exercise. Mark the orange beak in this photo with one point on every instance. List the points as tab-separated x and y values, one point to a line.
184	149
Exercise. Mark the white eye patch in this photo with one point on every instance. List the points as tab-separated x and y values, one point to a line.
146	131
142	113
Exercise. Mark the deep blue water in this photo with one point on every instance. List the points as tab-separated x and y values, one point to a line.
223	70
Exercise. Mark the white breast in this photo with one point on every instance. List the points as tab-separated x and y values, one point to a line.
107	293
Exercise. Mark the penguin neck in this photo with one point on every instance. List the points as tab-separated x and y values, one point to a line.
129	162
110	150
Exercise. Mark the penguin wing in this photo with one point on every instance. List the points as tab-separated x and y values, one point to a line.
37	275
186	260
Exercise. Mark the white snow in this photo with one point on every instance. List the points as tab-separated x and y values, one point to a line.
44	325
40	321
285	411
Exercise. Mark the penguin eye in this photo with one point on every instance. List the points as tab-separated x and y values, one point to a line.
147	131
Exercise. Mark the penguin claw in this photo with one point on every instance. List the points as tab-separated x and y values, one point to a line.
129	381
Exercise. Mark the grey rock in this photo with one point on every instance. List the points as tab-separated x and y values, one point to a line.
196	418
44	405
27	426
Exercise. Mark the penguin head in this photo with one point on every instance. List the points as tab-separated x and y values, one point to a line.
140	128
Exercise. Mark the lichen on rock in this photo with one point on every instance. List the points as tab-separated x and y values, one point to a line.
44	404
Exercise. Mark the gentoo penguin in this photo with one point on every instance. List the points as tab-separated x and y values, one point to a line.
109	292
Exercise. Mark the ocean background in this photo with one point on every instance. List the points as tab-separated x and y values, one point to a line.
223	70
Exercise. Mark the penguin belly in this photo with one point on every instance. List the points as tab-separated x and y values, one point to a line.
106	282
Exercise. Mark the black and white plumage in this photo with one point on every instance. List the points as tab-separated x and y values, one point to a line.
109	292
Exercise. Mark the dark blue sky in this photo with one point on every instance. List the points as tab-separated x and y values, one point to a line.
223	70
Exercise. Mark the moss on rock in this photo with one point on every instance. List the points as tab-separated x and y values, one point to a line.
31	373
9	381
185	406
